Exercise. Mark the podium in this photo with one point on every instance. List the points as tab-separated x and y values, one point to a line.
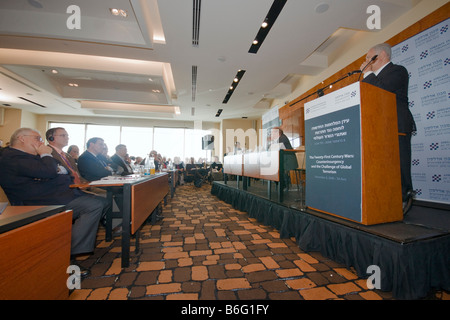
352	155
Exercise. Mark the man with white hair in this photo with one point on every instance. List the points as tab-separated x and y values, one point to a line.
29	176
381	72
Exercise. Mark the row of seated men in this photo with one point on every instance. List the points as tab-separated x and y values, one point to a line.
33	173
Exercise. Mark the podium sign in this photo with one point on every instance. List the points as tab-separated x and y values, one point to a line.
333	153
347	133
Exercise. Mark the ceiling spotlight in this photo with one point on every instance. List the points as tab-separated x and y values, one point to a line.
54	71
118	12
263	31
234	84
73	84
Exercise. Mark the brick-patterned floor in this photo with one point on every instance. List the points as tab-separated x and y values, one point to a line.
203	249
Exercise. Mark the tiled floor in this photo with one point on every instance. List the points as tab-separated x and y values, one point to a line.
203	249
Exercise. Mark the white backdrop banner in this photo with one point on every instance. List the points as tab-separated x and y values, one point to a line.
426	56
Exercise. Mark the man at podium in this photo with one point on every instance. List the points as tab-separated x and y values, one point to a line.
381	72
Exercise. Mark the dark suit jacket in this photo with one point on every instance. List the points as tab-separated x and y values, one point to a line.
91	168
395	78
118	161
32	180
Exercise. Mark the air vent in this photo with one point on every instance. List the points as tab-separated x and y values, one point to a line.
266	25
194	82
40	105
196	6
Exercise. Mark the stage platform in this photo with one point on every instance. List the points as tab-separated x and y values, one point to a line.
413	255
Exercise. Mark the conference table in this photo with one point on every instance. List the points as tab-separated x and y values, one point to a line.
142	196
265	165
35	244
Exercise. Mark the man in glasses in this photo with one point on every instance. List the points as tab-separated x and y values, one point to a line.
29	176
58	138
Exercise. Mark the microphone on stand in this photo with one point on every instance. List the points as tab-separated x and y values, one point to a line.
371	60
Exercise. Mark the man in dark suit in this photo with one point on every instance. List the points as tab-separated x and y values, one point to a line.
119	158
90	166
93	168
29	176
381	72
281	142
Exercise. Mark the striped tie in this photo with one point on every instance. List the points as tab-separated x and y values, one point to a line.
75	175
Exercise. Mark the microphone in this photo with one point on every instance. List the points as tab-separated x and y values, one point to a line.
353	72
371	60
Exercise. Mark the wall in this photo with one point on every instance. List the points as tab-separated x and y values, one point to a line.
12	121
244	131
419	18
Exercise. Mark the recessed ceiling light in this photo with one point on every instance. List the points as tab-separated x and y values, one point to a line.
264	24
114	11
54	71
73	84
255	42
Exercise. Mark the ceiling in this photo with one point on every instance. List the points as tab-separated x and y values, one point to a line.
169	59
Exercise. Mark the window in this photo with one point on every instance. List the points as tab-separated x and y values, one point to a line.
76	134
110	134
169	142
194	144
139	141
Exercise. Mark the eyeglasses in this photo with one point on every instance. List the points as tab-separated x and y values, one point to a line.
37	138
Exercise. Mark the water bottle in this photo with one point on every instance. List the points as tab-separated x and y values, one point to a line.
152	165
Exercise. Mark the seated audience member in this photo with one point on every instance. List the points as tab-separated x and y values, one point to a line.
58	138
74	152
29	176
153	154
216	165
120	159
90	165
138	161
159	161
179	165
93	166
109	163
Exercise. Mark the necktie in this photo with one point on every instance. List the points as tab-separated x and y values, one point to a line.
74	173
